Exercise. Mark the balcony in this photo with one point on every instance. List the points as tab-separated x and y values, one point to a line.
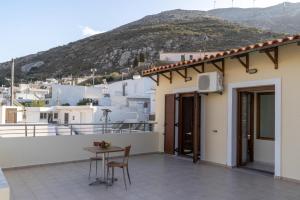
56	167
154	176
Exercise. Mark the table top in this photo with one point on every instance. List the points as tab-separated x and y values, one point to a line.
103	150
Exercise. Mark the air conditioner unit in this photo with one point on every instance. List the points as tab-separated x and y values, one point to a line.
210	82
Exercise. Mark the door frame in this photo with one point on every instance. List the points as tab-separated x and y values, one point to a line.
181	96
66	114
232	120
196	125
250	145
192	89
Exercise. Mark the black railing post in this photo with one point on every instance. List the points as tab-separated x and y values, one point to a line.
71	130
33	130
26	134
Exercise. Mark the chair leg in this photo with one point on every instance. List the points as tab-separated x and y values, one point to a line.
124	178
90	169
96	168
113	175
128	175
107	173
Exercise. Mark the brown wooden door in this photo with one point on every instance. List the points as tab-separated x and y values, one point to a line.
196	127
11	115
189	125
170	101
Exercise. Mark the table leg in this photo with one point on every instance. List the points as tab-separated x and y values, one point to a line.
103	179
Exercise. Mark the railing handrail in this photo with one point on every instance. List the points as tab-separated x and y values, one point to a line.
42	129
46	124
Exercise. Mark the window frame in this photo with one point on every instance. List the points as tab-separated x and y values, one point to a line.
258	134
43	115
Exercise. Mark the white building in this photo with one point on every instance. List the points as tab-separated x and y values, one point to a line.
30	92
72	94
174	57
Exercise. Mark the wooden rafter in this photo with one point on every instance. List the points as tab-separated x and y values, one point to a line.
197	70
170	77
221	67
244	60
184	75
273	55
155	80
181	74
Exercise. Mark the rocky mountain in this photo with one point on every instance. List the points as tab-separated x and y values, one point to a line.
282	18
142	40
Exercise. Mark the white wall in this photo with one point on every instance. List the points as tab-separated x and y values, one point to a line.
176	56
17	152
73	94
134	88
3	113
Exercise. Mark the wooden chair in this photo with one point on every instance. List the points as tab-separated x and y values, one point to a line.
122	165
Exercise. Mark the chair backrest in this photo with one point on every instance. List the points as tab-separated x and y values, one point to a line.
96	144
126	154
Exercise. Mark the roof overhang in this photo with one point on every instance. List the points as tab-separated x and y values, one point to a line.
242	54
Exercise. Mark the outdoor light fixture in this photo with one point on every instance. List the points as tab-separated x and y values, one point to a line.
252	71
188	79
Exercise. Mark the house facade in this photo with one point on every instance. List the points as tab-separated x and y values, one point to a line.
252	121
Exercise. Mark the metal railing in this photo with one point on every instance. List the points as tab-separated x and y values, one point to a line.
33	130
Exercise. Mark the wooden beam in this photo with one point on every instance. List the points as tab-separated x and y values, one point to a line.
181	74
168	77
245	62
274	57
155	80
220	68
197	70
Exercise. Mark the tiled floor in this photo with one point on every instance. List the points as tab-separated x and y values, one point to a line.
261	166
154	177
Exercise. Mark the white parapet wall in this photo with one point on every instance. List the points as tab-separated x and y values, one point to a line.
4	188
29	151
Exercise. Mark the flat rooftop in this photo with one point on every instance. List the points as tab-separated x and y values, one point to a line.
154	177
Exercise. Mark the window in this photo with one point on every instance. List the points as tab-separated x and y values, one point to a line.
55	115
182	58
43	115
191	57
265	126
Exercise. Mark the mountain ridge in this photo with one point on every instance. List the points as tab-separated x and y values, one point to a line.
122	47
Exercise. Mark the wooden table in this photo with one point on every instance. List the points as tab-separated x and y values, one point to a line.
104	152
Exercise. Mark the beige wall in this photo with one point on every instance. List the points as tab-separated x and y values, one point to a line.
216	105
17	152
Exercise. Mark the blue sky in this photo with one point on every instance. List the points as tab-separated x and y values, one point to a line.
30	26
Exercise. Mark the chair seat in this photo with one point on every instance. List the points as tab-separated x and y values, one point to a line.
116	164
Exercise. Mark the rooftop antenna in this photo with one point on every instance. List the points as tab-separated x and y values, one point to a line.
215	2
